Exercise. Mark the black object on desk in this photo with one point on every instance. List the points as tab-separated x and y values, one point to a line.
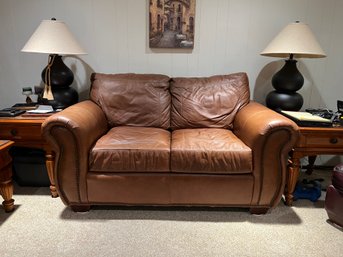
10	112
324	113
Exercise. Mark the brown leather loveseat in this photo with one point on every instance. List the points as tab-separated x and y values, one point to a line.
147	139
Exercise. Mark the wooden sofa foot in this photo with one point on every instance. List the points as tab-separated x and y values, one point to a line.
258	210
80	208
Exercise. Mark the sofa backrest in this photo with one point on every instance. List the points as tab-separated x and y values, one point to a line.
209	101
133	99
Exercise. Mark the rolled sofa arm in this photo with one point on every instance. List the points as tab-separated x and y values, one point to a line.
72	133
270	136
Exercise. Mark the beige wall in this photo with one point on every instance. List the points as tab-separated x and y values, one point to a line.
229	35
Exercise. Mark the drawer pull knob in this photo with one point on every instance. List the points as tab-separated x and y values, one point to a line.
14	132
333	140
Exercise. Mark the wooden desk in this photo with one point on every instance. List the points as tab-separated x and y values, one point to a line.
26	132
6	186
313	141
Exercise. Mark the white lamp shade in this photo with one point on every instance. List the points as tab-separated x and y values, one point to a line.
53	37
297	39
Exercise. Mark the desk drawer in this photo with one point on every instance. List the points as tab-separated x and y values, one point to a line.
19	132
325	141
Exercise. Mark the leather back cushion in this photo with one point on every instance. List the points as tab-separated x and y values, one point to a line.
210	102
133	99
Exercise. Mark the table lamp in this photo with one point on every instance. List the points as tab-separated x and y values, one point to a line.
296	40
54	38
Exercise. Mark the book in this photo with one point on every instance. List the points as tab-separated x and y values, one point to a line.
25	106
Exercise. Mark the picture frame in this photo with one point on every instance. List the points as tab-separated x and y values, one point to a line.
171	23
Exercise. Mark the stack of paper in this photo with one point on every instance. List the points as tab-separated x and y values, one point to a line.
305	116
306	119
42	109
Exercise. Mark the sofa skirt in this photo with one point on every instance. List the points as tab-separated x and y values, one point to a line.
170	189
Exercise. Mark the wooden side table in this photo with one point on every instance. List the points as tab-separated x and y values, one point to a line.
313	141
26	132
6	186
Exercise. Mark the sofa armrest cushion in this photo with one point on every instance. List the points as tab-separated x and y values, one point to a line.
255	122
85	120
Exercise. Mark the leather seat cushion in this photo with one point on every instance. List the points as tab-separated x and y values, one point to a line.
132	149
209	150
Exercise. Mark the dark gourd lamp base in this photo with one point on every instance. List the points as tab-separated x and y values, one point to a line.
286	82
284	101
61	77
63	97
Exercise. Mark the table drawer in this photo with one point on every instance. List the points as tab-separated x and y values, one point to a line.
20	131
325	141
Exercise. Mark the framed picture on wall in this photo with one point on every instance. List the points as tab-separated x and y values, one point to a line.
171	23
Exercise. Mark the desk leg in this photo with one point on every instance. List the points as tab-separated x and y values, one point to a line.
311	161
293	174
50	164
6	187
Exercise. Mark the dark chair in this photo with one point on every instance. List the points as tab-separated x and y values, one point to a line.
334	197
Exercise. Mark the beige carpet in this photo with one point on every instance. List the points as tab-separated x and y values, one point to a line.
43	226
